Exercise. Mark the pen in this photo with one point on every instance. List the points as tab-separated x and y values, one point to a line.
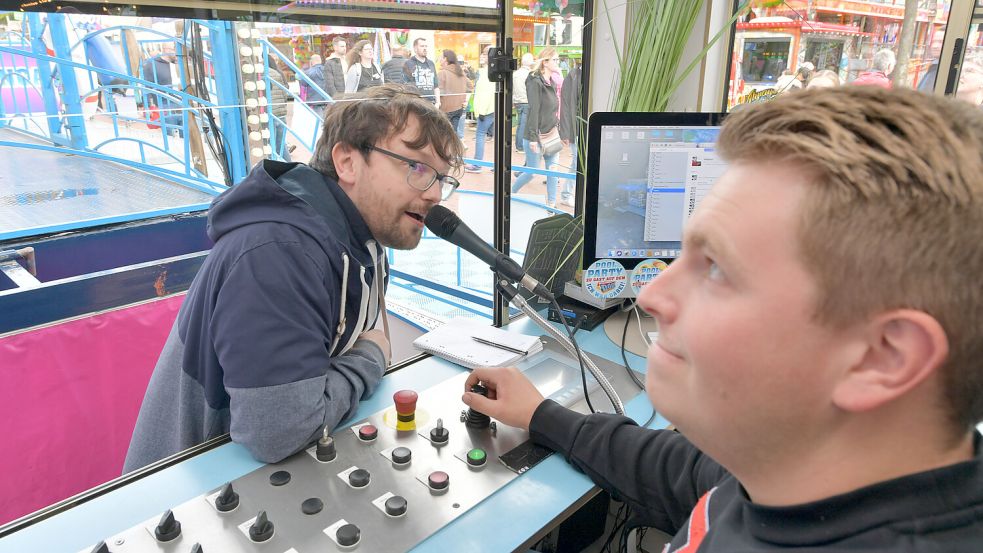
499	346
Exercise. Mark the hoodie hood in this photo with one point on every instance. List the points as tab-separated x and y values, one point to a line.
272	193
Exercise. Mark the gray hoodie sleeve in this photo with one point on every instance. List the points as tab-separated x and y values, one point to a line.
274	321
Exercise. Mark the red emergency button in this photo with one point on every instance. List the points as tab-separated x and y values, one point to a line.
405	401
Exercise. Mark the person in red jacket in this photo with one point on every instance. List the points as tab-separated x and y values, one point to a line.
880	75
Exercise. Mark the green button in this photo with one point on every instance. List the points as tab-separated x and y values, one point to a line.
476	456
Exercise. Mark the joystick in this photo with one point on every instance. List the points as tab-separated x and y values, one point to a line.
405	401
477	419
326	451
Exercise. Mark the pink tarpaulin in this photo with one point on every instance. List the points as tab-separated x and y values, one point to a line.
69	398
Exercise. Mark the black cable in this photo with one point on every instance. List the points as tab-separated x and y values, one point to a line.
580	355
216	142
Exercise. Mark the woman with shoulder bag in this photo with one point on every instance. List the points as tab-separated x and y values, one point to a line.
542	136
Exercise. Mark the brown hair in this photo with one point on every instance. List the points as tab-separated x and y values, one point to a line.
355	54
337	39
368	117
455	67
894	215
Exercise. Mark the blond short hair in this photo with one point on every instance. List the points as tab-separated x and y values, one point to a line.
894	217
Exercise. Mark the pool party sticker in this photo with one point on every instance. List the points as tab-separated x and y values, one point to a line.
605	278
644	273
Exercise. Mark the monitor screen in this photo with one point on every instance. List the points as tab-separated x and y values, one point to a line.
645	174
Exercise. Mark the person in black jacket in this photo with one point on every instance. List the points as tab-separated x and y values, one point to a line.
825	382
335	68
542	119
392	70
569	109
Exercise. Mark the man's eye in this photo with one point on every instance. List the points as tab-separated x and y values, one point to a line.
713	270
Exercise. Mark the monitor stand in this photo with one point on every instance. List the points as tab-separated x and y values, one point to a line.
615	325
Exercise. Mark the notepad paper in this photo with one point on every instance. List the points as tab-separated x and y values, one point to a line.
454	341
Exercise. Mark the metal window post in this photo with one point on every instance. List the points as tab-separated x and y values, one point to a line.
74	119
225	58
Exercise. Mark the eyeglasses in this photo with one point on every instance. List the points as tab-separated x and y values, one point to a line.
422	176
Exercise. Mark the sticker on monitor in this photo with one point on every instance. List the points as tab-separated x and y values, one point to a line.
605	278
644	273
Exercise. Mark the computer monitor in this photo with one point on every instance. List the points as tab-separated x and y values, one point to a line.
645	174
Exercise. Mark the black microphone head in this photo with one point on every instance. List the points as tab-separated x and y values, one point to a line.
441	221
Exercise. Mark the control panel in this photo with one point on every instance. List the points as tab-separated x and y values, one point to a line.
384	483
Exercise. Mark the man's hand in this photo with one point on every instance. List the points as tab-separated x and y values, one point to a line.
566	143
379	337
511	399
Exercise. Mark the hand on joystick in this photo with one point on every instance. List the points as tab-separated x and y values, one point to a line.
512	399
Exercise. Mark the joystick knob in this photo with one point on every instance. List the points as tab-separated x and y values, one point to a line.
367	432
359	478
100	547
228	500
348	535
261	529
439	434
401	455
168	528
477	419
396	506
325	448
197	548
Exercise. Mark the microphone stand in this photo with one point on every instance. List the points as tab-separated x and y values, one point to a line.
513	296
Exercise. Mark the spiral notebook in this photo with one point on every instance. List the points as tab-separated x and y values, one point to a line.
455	342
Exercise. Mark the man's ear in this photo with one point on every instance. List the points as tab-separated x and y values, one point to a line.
905	347
343	157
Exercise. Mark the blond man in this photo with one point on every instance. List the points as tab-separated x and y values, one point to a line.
820	341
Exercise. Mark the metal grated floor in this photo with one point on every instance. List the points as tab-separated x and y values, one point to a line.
40	189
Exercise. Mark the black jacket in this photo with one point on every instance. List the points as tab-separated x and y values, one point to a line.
543	106
669	482
570	105
334	78
392	70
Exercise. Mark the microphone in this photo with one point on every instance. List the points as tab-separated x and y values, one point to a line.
447	225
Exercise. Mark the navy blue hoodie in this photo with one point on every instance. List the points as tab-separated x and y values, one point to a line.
266	345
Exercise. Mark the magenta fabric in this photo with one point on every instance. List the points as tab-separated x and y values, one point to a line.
69	398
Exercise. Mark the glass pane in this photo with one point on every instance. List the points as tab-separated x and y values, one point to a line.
784	46
970	85
196	104
549	34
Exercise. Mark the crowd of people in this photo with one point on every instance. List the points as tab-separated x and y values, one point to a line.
545	100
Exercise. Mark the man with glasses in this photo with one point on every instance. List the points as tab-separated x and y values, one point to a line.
276	338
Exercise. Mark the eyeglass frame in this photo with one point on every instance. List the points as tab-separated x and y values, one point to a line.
438	176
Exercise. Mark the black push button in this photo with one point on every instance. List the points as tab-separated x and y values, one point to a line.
312	506
348	535
358	478
280	478
396	506
401	455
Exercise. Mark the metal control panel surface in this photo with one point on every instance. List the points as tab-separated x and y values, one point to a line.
427	510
